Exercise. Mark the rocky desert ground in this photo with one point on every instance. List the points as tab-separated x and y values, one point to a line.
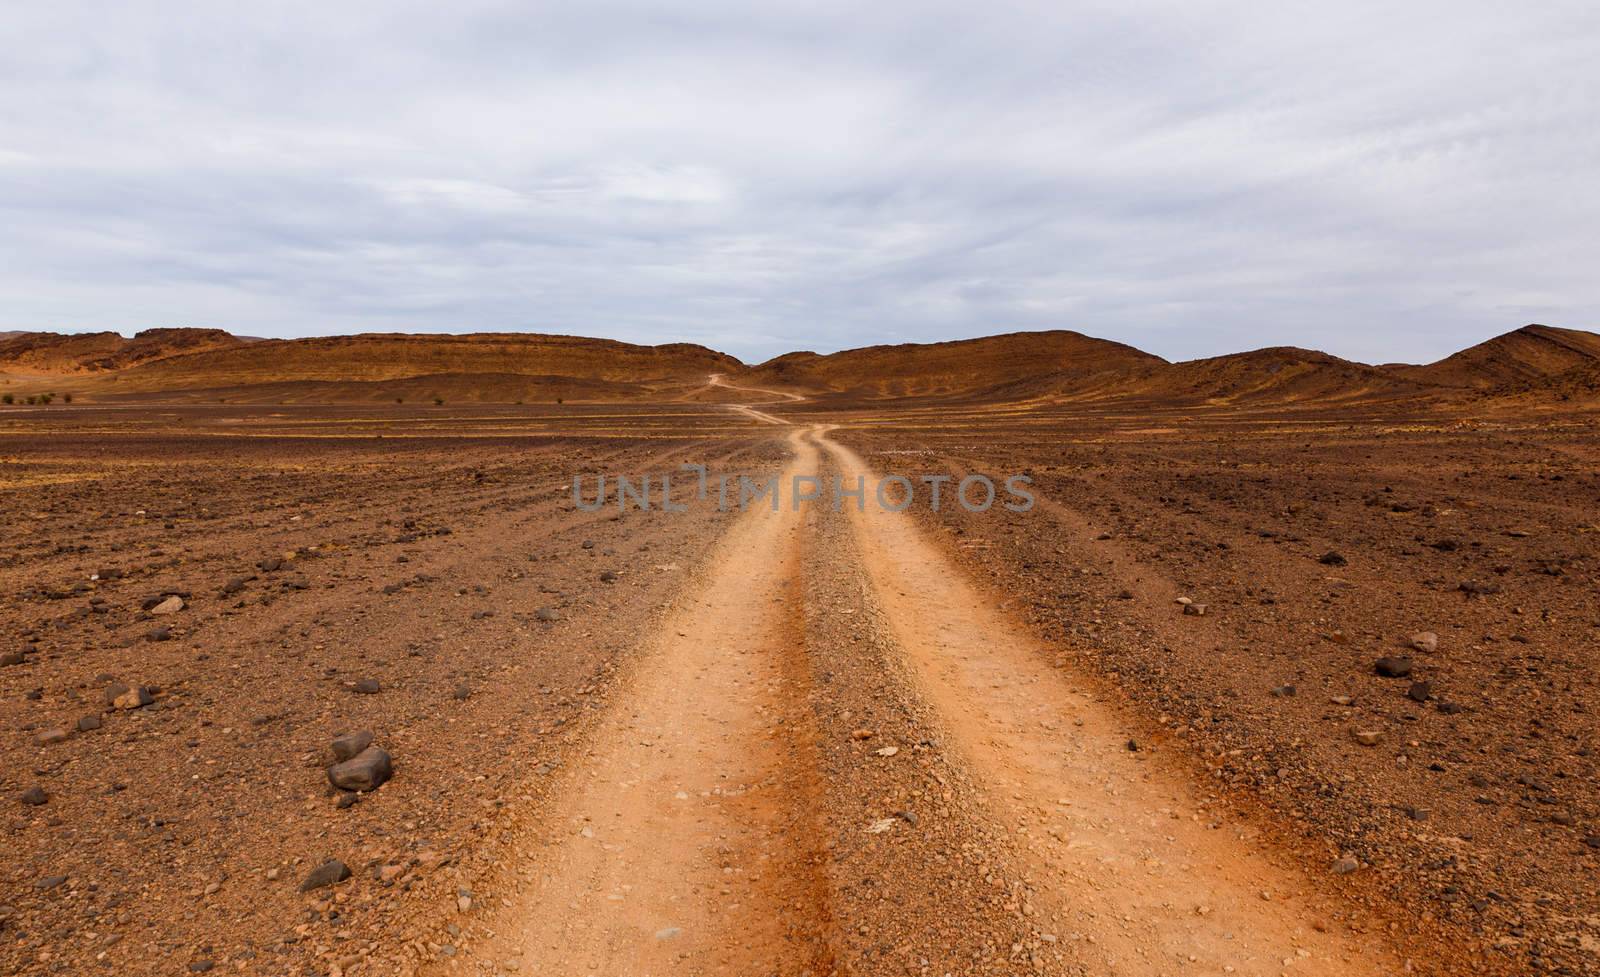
1289	669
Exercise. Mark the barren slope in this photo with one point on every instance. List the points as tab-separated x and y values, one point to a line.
962	367
76	354
1522	355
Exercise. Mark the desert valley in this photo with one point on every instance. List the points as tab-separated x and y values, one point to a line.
312	663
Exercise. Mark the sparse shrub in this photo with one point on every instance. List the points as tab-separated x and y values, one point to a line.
399	400
560	400
46	398
66	398
32	400
438	401
7	399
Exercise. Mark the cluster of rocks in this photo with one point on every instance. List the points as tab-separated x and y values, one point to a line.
359	767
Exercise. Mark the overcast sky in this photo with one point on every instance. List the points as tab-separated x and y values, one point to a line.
1386	181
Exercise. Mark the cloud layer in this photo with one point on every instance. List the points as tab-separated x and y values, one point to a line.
1387	182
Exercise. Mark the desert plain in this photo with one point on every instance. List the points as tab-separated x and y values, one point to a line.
315	664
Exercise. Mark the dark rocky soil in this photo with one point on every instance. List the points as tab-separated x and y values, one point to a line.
1323	548
420	576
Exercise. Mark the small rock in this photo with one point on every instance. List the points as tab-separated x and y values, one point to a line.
1392	666
34	796
462	693
1332	558
328	873
159	634
547	614
1425	641
1195	610
171	605
368	686
367	770
89	722
13	658
51	737
1367	737
1420	691
1283	691
49	881
349	745
1345	866
136	697
608	576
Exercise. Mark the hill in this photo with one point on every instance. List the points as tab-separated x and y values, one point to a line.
958	368
78	354
1276	375
1519	356
381	366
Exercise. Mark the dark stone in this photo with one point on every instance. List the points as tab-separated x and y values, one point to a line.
1420	691
328	873
368	686
367	770
1332	558
348	745
1393	666
34	796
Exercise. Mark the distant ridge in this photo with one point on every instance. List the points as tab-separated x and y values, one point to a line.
1521	355
71	354
956	368
1532	364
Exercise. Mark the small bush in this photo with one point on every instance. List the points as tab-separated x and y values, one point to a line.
438	401
7	399
32	401
66	398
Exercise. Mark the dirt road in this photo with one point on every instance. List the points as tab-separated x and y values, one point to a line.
683	839
690	838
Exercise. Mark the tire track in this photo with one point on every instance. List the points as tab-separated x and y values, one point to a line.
1134	873
683	842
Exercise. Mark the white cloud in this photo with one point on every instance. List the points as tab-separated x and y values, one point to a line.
1385	181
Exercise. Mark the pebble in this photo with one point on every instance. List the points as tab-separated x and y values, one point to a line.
367	770
608	576
1392	666
547	614
1367	737
1420	691
1345	866
171	605
136	697
326	874
89	722
1332	558
1425	641
34	796
348	745
368	686
1195	610
50	737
